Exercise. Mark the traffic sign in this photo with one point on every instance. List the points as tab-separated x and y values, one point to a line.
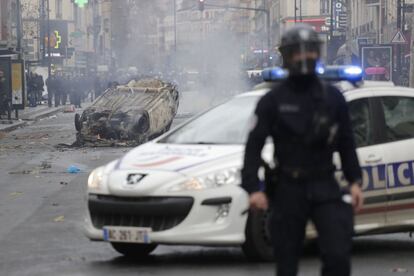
399	38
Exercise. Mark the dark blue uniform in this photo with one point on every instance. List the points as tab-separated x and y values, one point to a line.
305	187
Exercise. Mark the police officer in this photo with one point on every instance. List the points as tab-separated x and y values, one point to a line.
51	89
308	121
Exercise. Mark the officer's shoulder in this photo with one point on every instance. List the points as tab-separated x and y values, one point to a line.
268	99
271	95
275	89
333	91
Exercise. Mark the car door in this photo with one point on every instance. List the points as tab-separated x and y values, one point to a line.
371	158
398	135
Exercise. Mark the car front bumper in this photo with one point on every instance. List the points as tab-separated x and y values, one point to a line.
210	217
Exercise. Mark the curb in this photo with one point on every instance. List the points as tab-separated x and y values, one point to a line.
43	114
14	126
25	122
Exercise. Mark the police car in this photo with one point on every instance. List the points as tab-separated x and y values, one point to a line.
183	188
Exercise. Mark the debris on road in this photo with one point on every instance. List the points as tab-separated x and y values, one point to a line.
45	165
69	109
73	169
15	194
59	219
25	172
63	183
400	270
128	115
36	170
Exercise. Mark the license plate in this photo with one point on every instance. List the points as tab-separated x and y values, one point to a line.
127	234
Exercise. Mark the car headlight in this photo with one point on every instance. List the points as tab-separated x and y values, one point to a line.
95	178
213	180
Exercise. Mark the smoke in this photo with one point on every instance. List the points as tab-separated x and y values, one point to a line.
207	62
217	69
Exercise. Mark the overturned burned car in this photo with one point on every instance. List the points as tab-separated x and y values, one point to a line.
128	114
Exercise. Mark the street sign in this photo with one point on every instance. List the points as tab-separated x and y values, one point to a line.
340	16
343	19
365	40
399	38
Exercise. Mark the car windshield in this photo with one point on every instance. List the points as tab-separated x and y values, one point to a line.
225	124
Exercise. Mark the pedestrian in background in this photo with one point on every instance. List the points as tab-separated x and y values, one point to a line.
4	98
51	89
308	121
31	90
39	87
64	83
58	89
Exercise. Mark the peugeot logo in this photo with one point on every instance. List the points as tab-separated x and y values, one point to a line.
134	178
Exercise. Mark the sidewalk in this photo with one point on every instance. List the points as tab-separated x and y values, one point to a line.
27	115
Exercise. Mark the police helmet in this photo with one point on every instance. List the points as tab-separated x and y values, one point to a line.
300	39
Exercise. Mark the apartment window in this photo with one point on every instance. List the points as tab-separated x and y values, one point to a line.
58	4
325	7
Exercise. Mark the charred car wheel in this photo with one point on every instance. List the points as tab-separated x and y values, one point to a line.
78	123
134	250
258	245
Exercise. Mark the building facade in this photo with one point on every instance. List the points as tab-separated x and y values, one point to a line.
8	24
78	39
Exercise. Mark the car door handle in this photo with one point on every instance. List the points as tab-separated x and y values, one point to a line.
373	159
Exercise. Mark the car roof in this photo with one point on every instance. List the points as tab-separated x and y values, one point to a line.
256	93
382	87
347	86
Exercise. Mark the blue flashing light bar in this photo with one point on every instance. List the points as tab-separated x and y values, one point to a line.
343	73
349	73
274	74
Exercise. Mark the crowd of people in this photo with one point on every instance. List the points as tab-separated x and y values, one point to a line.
74	88
63	88
35	88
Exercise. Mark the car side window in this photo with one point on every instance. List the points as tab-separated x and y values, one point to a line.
359	112
399	117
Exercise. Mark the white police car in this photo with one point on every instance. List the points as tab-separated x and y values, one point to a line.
183	188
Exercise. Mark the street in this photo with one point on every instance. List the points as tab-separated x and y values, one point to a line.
41	210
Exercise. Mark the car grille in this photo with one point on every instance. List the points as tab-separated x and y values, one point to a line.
158	213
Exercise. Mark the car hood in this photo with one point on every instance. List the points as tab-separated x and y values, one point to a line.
180	158
162	166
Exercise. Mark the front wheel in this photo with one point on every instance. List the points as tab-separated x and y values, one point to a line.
258	245
133	250
78	123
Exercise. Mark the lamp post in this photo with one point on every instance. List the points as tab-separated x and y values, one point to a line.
18	27
175	26
296	9
331	32
48	40
399	25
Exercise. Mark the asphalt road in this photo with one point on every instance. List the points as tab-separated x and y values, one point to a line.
41	209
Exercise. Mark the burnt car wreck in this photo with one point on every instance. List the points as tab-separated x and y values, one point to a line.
128	115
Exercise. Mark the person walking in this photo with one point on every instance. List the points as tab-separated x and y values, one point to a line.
308	121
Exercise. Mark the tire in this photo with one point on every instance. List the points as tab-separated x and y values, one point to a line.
78	123
168	127
258	245
134	250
